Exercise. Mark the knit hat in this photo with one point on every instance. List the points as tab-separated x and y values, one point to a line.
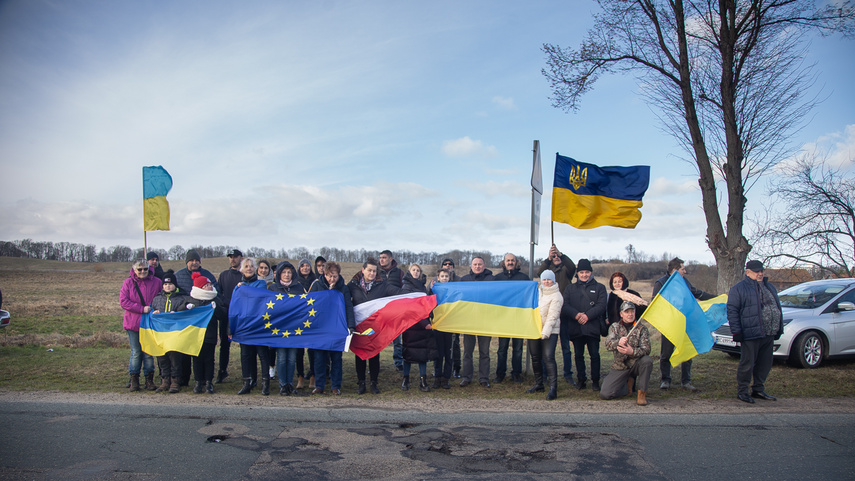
445	261
547	274
199	280
584	265
151	255
169	277
192	255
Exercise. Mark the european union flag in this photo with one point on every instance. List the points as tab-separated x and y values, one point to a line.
316	320
587	196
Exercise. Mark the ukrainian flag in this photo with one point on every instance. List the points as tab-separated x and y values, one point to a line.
501	309
679	317
587	196
156	184
182	331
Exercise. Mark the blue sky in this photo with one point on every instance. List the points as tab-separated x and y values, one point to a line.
373	125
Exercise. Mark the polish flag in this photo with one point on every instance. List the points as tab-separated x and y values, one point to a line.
380	321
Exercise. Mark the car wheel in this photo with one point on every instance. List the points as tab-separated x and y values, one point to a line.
808	350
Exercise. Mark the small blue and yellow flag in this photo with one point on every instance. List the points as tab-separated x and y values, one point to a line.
315	320
156	184
501	309
682	320
182	331
587	196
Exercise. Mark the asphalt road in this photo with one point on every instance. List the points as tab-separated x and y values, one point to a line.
78	441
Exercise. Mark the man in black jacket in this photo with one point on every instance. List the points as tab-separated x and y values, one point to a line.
390	272
154	263
676	264
583	310
229	279
477	272
756	321
510	272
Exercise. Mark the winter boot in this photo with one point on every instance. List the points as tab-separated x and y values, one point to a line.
360	387
222	375
299	383
209	387
149	382
135	383
374	388
312	382
423	387
164	385
247	386
538	383
265	386
629	384
175	386
553	389
642	398
437	382
198	388
446	383
405	385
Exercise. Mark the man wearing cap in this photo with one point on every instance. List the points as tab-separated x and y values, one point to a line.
510	272
630	342
755	318
667	349
448	265
390	272
154	263
184	281
229	279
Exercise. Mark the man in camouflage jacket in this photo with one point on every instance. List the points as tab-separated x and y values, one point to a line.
631	347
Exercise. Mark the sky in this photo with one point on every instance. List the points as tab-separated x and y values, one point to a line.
376	125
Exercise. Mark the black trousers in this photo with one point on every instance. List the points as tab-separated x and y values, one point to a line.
756	362
373	366
248	363
203	364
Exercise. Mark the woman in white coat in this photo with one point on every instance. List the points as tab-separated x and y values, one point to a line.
543	350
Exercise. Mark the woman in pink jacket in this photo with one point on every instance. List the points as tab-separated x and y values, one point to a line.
136	295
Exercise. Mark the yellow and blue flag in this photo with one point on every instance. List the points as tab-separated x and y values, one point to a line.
156	184
315	320
682	320
182	331
502	309
587	196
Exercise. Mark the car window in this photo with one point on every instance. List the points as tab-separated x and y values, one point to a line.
809	296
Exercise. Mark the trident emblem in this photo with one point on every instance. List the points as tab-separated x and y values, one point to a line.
578	176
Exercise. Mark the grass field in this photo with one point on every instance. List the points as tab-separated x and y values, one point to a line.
66	334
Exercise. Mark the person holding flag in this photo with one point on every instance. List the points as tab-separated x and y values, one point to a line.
170	299
331	280
630	342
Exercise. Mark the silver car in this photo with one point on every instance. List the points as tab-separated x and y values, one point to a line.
819	322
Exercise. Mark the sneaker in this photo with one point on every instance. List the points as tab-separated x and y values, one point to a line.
688	387
666	384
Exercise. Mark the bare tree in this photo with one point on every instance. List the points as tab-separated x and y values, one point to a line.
811	220
727	79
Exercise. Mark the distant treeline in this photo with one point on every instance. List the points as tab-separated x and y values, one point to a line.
73	252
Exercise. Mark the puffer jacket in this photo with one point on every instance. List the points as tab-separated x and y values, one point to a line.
418	341
296	287
130	300
588	297
514	275
744	309
170	302
550	304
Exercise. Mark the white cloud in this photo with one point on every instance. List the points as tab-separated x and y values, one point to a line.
466	147
662	186
506	103
503	189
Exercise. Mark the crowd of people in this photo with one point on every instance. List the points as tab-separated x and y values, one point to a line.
575	308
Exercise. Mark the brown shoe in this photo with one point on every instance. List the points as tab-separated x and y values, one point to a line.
336	392
642	398
299	382
175	386
135	383
312	382
164	385
149	382
317	391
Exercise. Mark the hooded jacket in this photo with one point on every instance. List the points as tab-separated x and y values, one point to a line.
394	276
129	297
321	284
296	287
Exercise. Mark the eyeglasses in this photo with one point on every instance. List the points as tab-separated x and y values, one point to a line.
142	270
447	264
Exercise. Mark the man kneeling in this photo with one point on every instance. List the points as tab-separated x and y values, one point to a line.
630	342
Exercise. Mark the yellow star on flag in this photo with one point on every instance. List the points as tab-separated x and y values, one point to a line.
308	324
313	312
310	302
270	305
292	295
303	296
266	317
279	297
286	334
298	331
267	326
275	332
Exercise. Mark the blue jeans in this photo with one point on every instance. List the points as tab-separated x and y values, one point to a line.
422	368
139	359
321	360
286	360
502	357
